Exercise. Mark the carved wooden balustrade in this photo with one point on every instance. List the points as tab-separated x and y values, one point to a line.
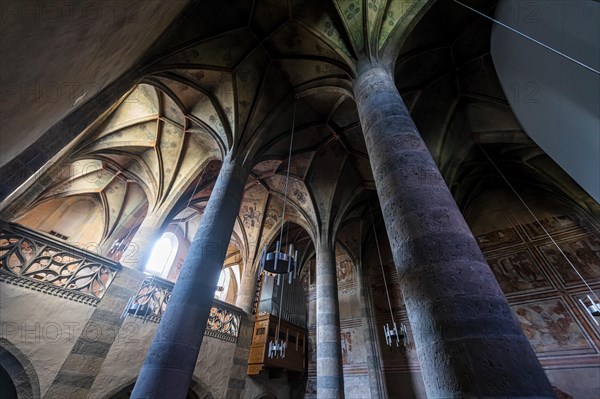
151	301
43	263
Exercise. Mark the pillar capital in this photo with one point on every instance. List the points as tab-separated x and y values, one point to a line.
324	243
364	64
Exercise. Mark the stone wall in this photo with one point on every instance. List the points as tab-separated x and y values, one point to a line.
67	342
220	369
124	360
81	351
42	327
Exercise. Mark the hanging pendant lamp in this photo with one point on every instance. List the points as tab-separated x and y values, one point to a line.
391	333
279	262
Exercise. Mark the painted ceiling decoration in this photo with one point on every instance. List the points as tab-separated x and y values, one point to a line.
212	88
122	200
225	79
147	139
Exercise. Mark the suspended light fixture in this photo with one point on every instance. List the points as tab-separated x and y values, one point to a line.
592	307
119	245
277	348
281	263
391	333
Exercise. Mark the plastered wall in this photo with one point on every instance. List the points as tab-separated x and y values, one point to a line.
42	327
81	351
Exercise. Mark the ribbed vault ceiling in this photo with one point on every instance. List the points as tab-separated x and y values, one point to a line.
233	77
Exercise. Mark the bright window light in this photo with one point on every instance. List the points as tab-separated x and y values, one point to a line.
162	256
223	285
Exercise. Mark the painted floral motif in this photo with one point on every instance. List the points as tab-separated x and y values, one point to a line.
271	219
351	11
299	194
251	216
328	28
198	75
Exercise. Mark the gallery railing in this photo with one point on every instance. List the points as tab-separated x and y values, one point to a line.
150	302
43	263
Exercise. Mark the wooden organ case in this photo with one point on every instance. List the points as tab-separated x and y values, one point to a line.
265	326
291	328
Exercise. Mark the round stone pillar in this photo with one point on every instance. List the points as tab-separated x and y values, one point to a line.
330	376
138	250
468	341
170	362
247	291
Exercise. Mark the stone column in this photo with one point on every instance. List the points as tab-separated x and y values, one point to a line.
140	247
468	341
245	297
169	364
376	378
330	376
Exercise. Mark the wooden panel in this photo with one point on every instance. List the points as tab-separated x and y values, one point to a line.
257	355
254	369
264	331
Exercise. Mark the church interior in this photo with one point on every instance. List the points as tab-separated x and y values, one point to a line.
266	199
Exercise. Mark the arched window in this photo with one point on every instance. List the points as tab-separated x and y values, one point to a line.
223	285
163	255
229	281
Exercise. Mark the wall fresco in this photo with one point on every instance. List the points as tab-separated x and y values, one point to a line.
517	271
584	254
543	290
499	238
550	326
553	224
541	287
